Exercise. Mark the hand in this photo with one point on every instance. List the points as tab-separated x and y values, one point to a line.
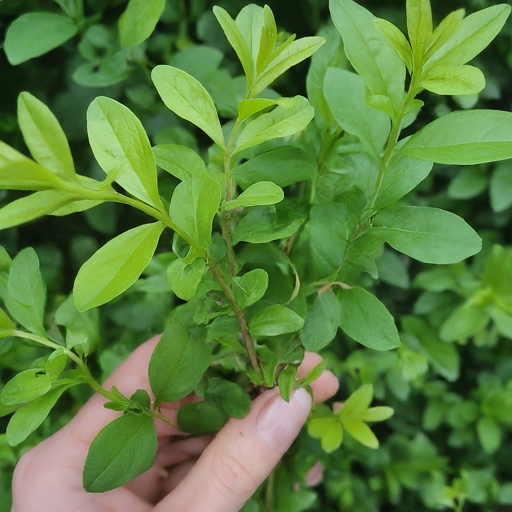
214	474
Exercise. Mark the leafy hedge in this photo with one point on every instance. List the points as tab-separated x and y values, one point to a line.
449	383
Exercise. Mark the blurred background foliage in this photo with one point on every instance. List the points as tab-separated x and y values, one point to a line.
449	445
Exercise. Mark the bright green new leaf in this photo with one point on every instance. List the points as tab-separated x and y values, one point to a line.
261	193
453	80
313	374
185	278
345	94
464	138
283	166
286	381
397	40
201	418
419	26
29	417
291	116
187	98
413	364
26	386
444	32
268	40
464	322
44	136
366	319
26	292
193	207
328	430
237	41
229	396
124	449
250	21
474	34
321	323
247	108
139	20
489	434
371	56
121	146
179	161
429	235
275	320
33	206
250	287
116	266
177	364
36	33
358	401
361	432
374	414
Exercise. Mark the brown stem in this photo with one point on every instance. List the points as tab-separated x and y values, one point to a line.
238	312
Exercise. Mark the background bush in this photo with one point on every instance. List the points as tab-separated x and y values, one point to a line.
448	445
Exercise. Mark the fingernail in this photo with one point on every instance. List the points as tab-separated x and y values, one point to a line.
279	422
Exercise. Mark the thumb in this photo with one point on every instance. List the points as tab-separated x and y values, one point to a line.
241	456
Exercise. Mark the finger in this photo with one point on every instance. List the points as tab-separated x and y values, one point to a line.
326	385
241	456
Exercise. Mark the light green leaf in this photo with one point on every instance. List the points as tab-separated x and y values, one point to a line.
250	287
193	207
185	278
397	40
453	80
464	322
247	108
229	396
201	418
321	323
489	434
286	382
474	34
429	235
139	20
36	33
419	26
366	319
444	32
361	432
179	161
502	321
26	292
116	266
275	320
177	364
120	145
6	324
250	22
371	56
291	115
268	40
413	364
345	94
358	401
26	386
124	449
44	136
261	193
374	414
328	430
501	187
187	98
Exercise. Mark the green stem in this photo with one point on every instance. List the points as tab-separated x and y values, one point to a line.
160	416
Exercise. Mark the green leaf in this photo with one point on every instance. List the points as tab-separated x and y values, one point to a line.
275	320
179	161
261	193
139	20
474	34
292	54
501	187
464	138
419	26
371	56
44	136
328	430
268	40
177	364
397	40
502	321
283	166
116	266
286	382
124	449
250	287
36	33
29	417
26	292
313	374
429	235
392	269
236	40
489	434
413	364
453	80
201	418
291	115
6	324
120	145
345	94
55	364
374	414
185	278
366	319
321	323
247	108
464	322
20	173
187	98
444	32
469	182
268	361
229	396
193	207
358	401
26	386
361	432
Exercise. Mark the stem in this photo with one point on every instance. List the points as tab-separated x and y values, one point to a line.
160	416
238	312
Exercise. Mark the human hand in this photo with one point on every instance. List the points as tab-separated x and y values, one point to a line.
214	474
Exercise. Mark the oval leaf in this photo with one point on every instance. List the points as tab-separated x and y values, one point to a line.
262	193
275	320
454	80
201	418
139	20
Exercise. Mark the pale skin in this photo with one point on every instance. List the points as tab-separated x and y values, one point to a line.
214	474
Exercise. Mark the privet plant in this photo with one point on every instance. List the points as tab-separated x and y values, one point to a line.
276	239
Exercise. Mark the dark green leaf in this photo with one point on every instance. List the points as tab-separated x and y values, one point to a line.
321	323
250	287
201	418
275	320
229	396
286	381
27	385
